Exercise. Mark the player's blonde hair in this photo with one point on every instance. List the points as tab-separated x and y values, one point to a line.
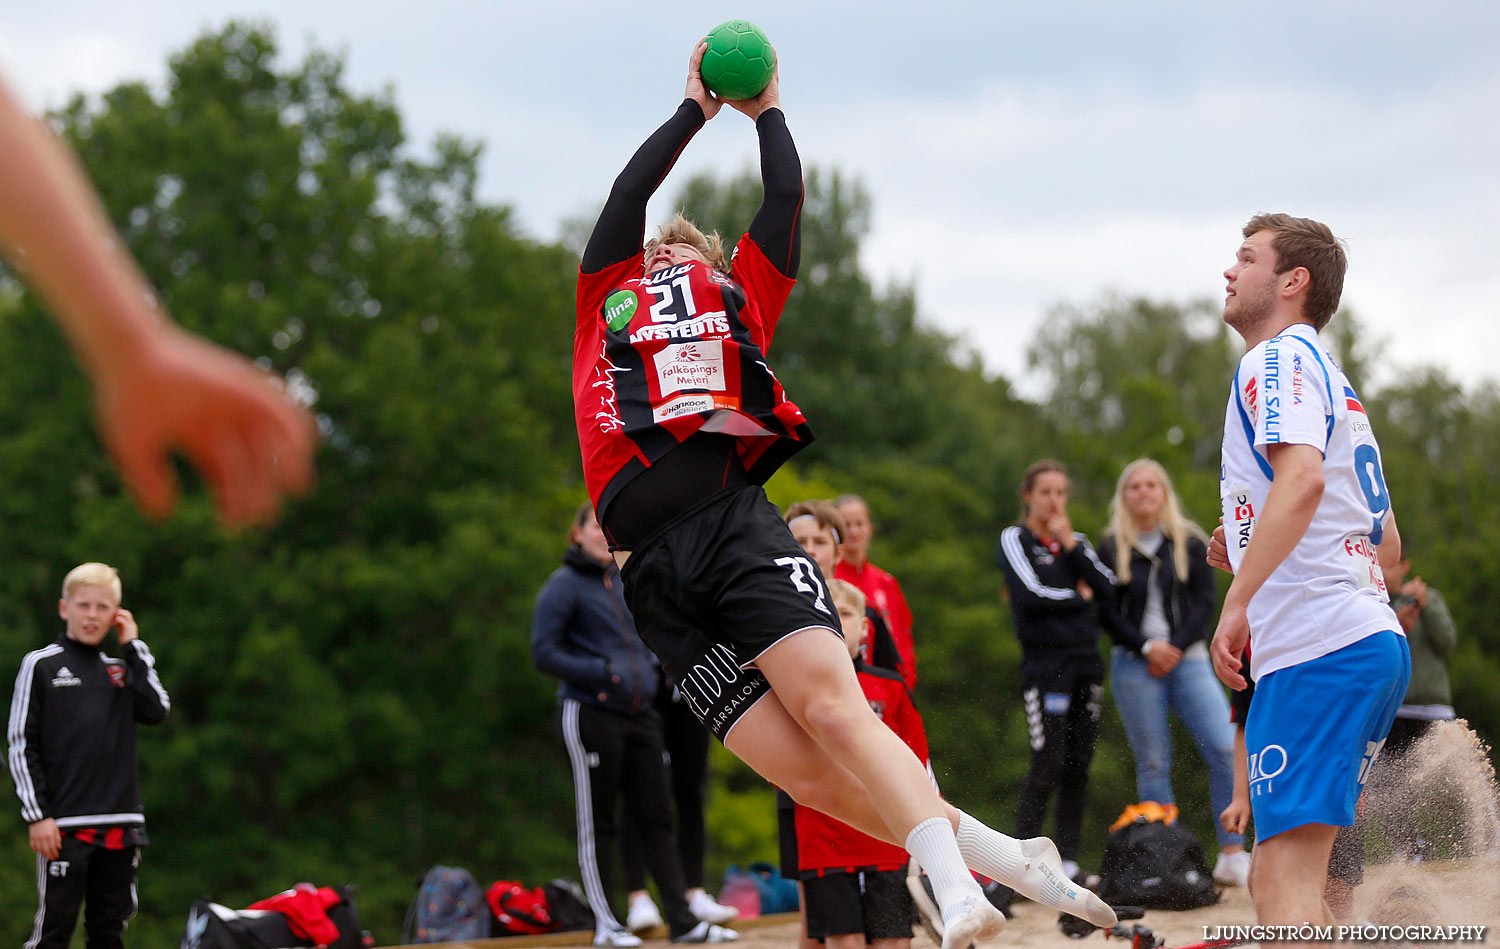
92	575
1174	526
679	230
843	591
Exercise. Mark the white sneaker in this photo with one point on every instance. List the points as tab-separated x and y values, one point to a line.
1233	869
977	922
643	914
707	932
616	939
1044	881
707	909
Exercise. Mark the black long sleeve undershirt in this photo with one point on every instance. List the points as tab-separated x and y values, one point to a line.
776	229
622	222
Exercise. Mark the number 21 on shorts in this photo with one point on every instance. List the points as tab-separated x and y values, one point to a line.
805	579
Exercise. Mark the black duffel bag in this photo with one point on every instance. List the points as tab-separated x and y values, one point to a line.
1156	865
213	926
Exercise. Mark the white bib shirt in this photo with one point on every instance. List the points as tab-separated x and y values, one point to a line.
1329	592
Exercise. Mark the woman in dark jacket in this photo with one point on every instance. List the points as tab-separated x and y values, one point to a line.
1166	590
1059	595
582	633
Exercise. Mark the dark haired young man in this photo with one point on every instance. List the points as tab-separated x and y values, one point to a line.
1307	523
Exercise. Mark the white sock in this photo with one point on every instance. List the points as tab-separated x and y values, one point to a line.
933	846
1030	867
992	853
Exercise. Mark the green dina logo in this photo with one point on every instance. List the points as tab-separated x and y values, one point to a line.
619	308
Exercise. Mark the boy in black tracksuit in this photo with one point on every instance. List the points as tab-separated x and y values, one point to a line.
73	760
583	634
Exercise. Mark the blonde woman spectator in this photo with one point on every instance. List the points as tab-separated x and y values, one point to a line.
1166	589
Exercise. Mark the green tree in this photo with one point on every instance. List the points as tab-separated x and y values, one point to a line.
335	678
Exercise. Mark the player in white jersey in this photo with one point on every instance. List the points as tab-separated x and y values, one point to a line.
1307	521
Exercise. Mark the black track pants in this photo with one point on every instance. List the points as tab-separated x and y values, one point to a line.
617	757
687	754
101	881
1062	715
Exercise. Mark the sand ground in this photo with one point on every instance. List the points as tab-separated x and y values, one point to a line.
1460	892
1036	926
1439	893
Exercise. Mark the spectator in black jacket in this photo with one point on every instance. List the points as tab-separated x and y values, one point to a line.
582	633
1166	589
73	759
1055	579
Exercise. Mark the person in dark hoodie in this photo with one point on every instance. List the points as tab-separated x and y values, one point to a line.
582	633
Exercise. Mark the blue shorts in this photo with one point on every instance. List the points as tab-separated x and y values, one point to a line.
1316	727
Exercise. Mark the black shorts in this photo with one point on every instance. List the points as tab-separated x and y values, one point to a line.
873	902
716	587
786	836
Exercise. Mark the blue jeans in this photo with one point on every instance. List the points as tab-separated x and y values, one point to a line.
1194	693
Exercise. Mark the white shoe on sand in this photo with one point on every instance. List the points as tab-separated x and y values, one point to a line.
1233	869
642	915
709	910
707	932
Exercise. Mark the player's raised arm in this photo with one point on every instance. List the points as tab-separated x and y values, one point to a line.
156	387
621	226
777	227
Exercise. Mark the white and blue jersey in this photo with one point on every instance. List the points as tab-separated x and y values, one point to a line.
1329	592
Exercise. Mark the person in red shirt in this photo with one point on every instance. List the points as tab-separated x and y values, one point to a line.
855	885
819	528
881	590
681	421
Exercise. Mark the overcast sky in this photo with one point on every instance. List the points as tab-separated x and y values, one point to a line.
1019	155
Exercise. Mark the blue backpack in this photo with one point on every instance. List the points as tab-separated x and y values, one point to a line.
449	907
777	894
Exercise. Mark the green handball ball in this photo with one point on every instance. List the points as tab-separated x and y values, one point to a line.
738	61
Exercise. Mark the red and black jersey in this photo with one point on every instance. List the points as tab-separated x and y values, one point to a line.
884	594
659	357
827	844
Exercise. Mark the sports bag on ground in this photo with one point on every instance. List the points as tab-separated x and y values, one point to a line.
449	907
741	889
518	911
1155	864
568	906
777	893
214	926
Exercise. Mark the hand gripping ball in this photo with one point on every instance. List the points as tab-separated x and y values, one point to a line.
739	60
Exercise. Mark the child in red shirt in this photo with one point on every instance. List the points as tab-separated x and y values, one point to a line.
855	885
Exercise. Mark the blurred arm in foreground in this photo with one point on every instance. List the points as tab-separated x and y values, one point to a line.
157	388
